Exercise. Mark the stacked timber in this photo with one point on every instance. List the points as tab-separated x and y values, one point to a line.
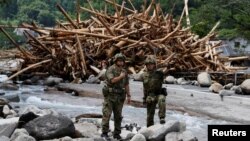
77	47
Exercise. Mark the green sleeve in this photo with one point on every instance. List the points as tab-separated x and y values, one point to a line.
109	74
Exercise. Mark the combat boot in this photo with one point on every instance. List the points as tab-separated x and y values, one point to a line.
162	121
117	137
105	136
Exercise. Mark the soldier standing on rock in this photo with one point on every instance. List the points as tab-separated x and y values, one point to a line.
115	93
153	92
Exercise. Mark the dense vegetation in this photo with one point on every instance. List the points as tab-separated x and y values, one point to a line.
233	14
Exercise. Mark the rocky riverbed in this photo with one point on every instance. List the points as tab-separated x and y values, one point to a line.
44	100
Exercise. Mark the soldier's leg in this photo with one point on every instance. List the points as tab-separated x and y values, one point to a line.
151	105
106	113
117	108
162	106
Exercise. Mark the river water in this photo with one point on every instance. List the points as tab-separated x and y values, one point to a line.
72	106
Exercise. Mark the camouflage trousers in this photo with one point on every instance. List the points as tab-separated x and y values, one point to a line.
112	103
152	101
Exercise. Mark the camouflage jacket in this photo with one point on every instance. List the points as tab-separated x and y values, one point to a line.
112	72
152	82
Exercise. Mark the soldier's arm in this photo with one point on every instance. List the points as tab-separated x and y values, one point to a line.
118	78
127	89
111	78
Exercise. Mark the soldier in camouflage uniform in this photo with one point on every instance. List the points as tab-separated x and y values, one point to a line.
153	91
115	92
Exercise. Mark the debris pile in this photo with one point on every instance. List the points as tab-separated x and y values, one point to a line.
74	48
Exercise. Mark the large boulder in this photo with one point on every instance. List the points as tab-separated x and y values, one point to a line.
50	127
245	87
204	79
25	118
215	87
169	80
158	132
86	129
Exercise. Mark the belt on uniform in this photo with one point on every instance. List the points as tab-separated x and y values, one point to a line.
115	90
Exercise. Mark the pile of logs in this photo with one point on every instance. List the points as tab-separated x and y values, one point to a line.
73	48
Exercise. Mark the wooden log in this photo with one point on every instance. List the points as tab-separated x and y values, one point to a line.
82	57
66	15
24	52
238	58
38	42
27	68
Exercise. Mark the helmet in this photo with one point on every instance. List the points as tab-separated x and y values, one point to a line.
150	60
119	56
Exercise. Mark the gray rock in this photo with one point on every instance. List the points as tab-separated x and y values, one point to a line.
24	138
8	112
86	129
7	126
195	83
8	86
182	126
51	81
170	126
56	127
126	135
204	79
158	132
4	101
226	93
138	137
172	136
228	86
169	80
21	135
245	87
4	138
236	89
215	87
180	80
146	132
